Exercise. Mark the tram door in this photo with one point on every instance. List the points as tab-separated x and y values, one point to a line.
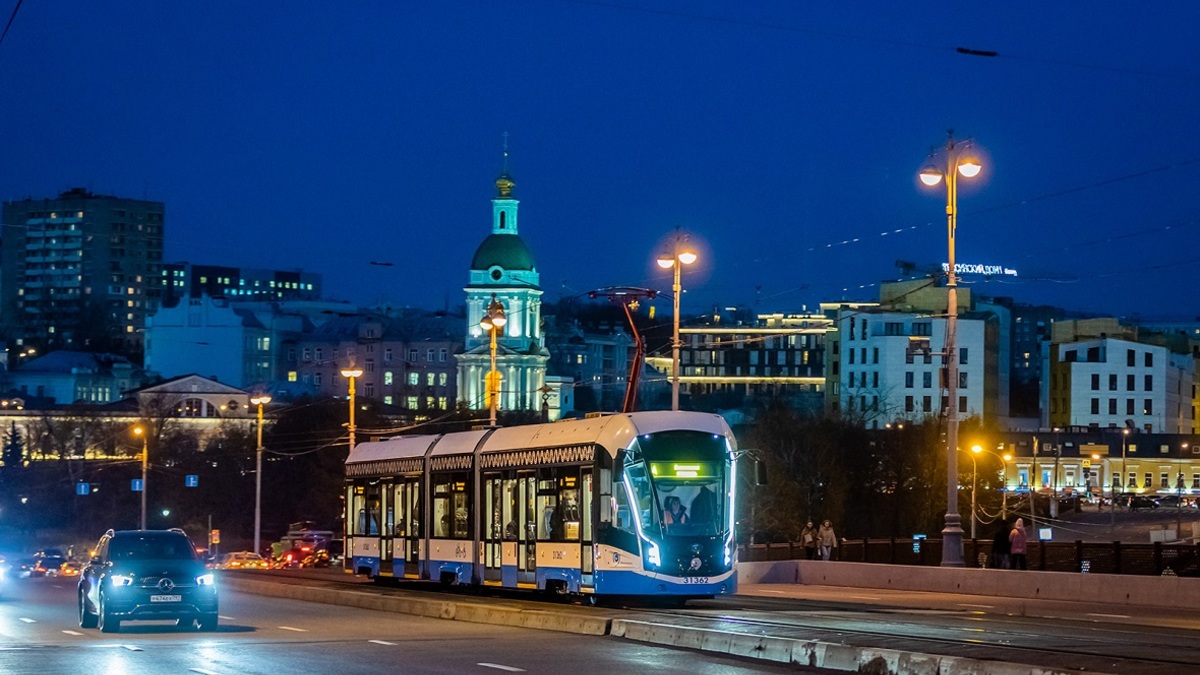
585	511
493	525
387	506
527	529
407	526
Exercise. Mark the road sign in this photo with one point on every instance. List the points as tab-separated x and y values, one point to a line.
216	536
136	485
191	480
83	488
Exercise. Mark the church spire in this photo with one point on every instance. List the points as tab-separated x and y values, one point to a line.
504	184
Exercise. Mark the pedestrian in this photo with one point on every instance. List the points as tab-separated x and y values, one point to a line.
1018	543
1001	546
827	539
808	537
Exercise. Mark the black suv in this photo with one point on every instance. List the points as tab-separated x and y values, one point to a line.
146	574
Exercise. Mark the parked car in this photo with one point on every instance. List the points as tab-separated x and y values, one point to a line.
51	564
146	575
242	560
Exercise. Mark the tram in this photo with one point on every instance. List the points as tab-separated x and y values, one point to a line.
624	504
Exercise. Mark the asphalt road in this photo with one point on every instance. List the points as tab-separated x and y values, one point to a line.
39	634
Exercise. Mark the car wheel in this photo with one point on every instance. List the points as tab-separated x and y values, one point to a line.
107	622
208	622
86	618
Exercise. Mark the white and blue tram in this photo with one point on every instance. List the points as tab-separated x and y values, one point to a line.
625	504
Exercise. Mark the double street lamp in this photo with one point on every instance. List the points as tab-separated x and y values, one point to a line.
259	401
946	163
352	374
679	255
491	321
975	450
141	431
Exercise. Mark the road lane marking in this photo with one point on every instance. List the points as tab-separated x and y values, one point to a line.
383	642
501	666
28	620
72	632
132	648
202	671
863	597
224	618
965	604
1110	616
298	630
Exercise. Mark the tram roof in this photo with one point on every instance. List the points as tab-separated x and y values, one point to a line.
612	432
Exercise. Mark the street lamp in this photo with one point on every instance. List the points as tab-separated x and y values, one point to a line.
259	401
352	374
679	256
975	450
141	431
490	322
956	157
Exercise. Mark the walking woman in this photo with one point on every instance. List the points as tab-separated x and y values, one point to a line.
1018	543
827	539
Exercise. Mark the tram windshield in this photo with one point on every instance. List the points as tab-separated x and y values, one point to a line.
680	482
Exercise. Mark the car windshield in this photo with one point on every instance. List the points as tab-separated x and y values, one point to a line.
153	548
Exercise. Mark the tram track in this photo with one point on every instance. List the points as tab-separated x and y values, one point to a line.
1052	642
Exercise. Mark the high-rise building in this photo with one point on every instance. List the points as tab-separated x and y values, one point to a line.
81	270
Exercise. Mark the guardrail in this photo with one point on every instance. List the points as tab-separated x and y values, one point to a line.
1156	559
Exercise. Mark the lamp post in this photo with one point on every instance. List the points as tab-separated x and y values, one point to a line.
493	319
141	431
955	157
679	256
259	401
352	374
975	450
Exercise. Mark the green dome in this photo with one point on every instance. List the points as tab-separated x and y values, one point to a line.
503	250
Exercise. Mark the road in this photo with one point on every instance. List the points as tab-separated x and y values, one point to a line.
39	634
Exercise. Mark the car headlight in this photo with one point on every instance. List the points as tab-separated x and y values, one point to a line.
121	579
206	579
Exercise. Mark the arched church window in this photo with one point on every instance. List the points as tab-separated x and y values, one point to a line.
502	218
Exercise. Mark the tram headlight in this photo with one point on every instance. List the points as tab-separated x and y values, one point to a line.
652	554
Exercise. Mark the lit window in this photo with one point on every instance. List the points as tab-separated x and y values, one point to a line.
291	376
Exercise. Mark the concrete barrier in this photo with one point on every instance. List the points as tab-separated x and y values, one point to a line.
816	654
1167	592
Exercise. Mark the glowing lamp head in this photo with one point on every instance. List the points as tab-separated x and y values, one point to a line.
930	175
260	400
976	449
687	257
666	263
352	372
970	167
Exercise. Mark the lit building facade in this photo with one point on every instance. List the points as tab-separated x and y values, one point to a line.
185	280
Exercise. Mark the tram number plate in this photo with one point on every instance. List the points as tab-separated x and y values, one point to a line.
166	598
695	580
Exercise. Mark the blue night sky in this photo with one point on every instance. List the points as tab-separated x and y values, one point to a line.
784	136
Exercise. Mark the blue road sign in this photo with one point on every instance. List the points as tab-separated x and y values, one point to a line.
136	485
191	480
83	488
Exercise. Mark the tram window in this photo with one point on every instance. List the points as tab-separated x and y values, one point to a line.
442	514
399	501
547	502
460	515
586	508
642	492
528	493
389	525
509	504
606	491
620	504
360	511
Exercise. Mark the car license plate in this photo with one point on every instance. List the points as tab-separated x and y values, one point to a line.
166	598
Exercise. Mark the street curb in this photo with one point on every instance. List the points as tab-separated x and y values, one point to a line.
812	653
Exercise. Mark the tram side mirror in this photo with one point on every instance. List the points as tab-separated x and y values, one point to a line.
760	472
